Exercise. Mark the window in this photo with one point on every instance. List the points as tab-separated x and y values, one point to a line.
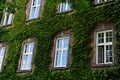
7	19
61	52
60	55
102	1
26	61
2	55
64	7
103	41
27	54
104	47
35	9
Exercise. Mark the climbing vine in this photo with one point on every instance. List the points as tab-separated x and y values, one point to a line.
81	21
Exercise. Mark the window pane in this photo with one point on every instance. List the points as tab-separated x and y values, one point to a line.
58	58
24	62
32	12
63	7
66	42
100	37
101	54
59	43
29	61
69	7
26	48
5	19
31	47
39	2
2	52
10	19
109	53
64	57
37	12
34	2
108	36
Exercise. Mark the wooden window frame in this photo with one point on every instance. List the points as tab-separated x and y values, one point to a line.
27	41
65	33
3	45
28	10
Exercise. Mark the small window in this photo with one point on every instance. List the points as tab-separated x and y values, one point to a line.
35	8
26	61
64	7
61	52
102	1
104	47
7	19
2	55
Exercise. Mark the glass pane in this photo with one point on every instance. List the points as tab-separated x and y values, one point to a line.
29	61
5	19
34	2
63	7
66	42
10	19
39	1
64	57
101	54
101	38
31	46
26	48
58	58
32	12
24	62
109	53
2	51
37	10
101	0
59	45
108	36
69	7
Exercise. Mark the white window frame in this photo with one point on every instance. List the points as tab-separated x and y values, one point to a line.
36	15
104	44
62	49
24	66
7	19
2	57
67	5
98	1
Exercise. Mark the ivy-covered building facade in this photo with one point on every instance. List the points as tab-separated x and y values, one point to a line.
59	40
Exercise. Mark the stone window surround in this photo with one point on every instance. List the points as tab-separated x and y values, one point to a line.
28	40
101	26
63	33
28	7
